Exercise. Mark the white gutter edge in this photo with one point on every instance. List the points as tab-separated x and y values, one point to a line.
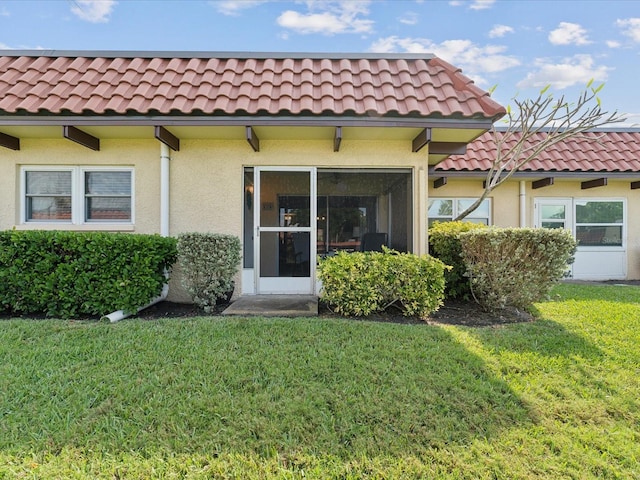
121	314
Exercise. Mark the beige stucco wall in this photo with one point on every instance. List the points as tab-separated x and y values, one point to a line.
207	175
206	178
506	200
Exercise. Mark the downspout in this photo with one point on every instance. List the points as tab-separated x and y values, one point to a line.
523	204
164	231
165	157
121	314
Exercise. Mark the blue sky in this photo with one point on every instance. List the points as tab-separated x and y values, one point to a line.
516	45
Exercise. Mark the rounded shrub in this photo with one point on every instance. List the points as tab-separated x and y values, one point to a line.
208	263
362	283
515	266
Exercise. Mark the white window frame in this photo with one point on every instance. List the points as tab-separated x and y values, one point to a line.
596	248
78	214
455	211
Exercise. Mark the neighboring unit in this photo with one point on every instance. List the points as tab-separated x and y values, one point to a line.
588	184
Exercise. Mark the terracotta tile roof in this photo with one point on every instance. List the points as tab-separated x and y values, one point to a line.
119	85
596	151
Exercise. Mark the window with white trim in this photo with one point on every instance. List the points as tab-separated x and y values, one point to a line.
77	195
446	209
599	223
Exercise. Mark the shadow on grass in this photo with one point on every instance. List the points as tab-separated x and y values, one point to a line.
255	386
561	366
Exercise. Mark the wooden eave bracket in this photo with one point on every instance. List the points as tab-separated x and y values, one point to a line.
447	148
9	141
439	182
168	138
635	185
543	182
337	139
422	139
83	138
437	148
598	182
253	139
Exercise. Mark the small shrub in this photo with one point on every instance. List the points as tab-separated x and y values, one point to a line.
444	240
72	274
362	283
208	262
515	266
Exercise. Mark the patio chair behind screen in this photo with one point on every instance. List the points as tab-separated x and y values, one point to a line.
373	241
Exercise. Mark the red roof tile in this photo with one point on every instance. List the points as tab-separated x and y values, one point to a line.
596	151
420	87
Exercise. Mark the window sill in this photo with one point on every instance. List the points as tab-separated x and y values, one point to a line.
86	227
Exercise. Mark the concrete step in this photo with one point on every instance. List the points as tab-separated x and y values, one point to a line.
274	306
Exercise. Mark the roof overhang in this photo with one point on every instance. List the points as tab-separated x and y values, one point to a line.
212	121
533	176
447	135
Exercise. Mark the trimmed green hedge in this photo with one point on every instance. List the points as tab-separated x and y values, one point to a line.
515	266
72	274
361	283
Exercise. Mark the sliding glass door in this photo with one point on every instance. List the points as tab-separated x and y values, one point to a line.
295	215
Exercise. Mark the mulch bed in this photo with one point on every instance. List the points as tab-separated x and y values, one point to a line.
454	312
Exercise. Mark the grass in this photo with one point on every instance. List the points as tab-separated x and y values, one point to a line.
310	398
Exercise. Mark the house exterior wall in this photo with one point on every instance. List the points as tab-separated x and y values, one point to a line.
214	169
206	178
505	209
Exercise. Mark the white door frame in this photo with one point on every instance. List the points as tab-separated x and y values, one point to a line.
591	262
285	285
567	222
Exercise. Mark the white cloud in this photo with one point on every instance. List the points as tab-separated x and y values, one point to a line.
329	18
409	18
482	4
234	7
4	46
575	70
475	4
630	28
613	44
500	31
569	34
475	60
94	11
632	120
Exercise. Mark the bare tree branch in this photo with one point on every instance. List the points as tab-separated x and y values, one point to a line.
534	126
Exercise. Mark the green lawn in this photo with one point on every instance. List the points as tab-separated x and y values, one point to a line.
318	398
